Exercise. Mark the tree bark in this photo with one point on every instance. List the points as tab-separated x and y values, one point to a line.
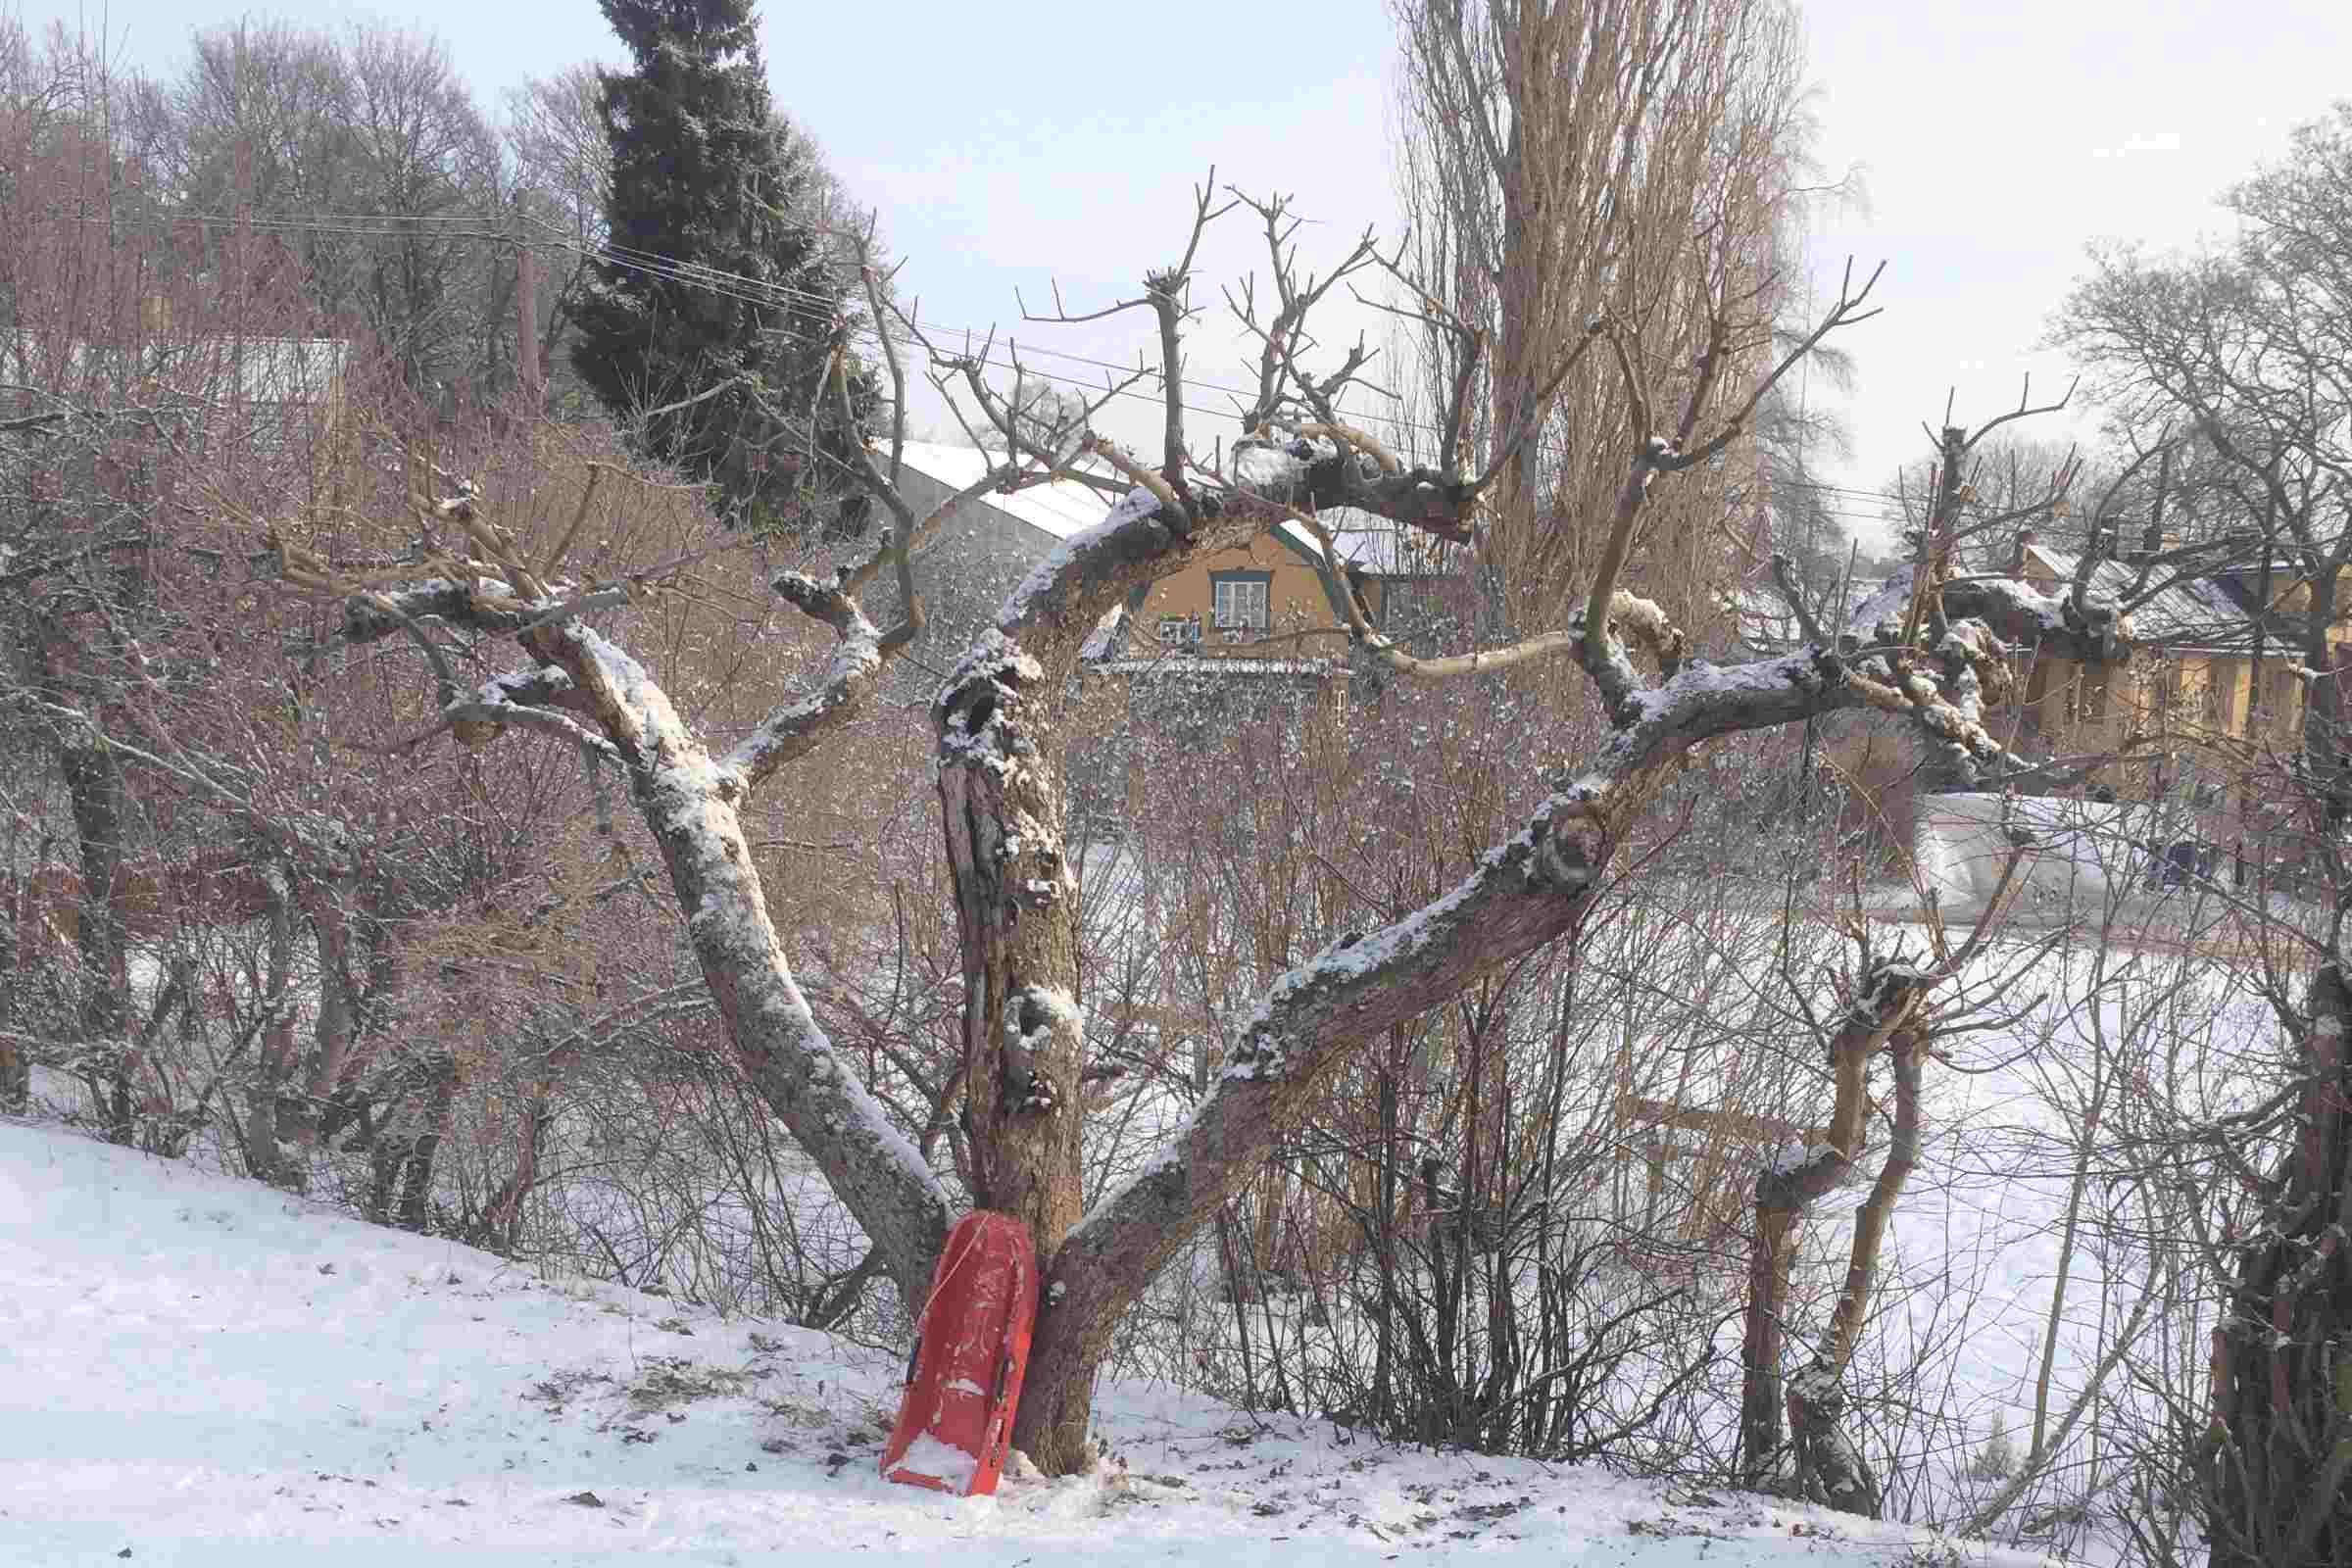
1016	907
1830	1463
265	1131
689	802
2275	1473
94	787
1784	1193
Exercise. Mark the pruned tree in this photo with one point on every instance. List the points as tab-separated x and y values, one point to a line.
1888	1007
1002	742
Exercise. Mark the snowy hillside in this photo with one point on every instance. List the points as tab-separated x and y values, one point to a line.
195	1369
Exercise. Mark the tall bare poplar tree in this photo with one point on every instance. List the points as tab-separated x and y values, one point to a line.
1598	191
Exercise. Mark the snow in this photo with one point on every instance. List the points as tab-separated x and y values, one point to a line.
688	802
2182	611
2081	850
1057	1005
1264	468
1369	543
1222	668
1136	503
1059	507
1889	603
927	1456
992	656
196	1370
547	678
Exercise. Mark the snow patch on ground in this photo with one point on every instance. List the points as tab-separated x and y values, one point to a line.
198	1370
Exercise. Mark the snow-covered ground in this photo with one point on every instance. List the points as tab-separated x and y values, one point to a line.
195	1369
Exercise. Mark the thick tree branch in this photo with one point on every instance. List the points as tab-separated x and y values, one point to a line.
1525	894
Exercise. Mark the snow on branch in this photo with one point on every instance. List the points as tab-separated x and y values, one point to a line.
689	800
2017	613
795	728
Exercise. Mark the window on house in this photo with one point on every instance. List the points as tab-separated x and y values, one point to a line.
1181	631
1242	602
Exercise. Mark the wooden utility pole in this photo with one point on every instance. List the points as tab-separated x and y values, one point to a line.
526	313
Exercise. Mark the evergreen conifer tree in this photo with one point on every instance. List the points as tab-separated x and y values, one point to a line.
717	321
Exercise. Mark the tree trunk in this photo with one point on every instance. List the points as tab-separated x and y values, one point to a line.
501	1214
1784	1193
18	911
1830	1463
1771	1260
334	1030
689	802
94	785
416	1185
264	1130
1016	912
2276	1474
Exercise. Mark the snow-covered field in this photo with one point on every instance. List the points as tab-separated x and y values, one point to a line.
195	1369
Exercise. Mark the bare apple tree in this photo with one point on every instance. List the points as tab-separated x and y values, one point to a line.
1001	741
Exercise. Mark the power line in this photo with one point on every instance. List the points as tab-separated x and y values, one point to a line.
698	275
754	291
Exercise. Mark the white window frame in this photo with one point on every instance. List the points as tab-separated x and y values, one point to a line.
1243	604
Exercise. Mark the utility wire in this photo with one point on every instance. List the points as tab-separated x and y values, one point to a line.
763	292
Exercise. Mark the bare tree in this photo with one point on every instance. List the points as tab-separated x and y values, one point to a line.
1565	165
1002	742
2245	346
563	166
363	157
1887	1008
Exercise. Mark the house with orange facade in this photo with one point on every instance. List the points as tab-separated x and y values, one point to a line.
1264	606
2217	661
1272	599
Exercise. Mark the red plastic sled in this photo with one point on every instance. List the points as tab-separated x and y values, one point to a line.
963	1381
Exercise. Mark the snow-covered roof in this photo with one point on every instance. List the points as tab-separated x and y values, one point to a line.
266	371
2191	612
1370	544
1764	617
1214	664
287	370
1061	507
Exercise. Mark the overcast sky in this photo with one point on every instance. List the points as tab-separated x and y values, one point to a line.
1009	146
